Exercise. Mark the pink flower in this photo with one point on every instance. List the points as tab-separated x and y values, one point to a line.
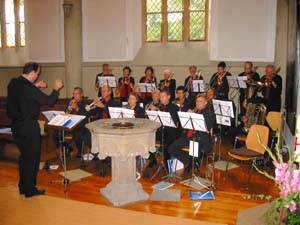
293	206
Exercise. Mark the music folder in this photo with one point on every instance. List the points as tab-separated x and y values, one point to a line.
164	118
67	120
198	86
237	81
117	112
107	80
147	87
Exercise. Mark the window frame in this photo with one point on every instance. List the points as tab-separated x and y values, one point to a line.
185	22
17	26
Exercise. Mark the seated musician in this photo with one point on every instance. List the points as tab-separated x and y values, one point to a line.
148	78
252	77
271	90
169	134
210	95
101	110
81	134
106	72
188	84
125	84
181	101
133	103
219	81
203	138
155	103
168	83
238	131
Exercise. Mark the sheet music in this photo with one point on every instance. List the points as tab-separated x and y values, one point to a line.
106	80
232	82
147	87
117	112
67	120
163	118
52	113
193	148
166	119
224	108
242	81
198	86
223	120
192	121
126	103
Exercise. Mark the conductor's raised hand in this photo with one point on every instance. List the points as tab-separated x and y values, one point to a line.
58	85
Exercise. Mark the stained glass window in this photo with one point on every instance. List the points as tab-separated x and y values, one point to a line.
176	20
13	21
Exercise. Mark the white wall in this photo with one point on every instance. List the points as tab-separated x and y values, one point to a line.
111	29
242	30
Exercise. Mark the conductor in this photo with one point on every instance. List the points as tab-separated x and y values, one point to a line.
24	99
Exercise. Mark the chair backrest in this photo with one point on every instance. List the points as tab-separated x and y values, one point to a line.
274	120
252	139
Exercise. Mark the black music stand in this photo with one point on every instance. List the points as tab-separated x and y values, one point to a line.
165	119
118	112
62	126
195	122
224	112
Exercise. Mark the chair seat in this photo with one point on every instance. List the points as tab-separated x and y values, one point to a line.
244	152
241	137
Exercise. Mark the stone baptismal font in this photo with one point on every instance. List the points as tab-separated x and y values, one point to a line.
123	140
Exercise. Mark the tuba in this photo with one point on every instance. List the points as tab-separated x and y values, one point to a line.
256	114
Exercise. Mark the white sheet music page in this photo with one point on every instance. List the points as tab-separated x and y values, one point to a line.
242	81
166	119
192	121
193	148
106	80
153	116
223	120
52	113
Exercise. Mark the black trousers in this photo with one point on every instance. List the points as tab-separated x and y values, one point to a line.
28	140
80	135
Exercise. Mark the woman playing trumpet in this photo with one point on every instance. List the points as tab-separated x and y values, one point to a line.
125	84
168	84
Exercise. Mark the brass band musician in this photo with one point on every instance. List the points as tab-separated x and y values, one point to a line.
203	138
219	81
106	72
125	84
252	78
148	78
155	103
271	89
168	83
188	84
181	100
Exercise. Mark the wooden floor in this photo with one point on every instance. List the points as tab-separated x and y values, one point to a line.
229	193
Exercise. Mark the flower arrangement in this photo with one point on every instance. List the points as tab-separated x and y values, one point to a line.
287	179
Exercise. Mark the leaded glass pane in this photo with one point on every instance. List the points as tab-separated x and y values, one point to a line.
175	26
154	27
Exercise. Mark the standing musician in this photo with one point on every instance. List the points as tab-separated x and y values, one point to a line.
219	81
101	104
168	83
252	77
155	103
148	78
77	106
203	138
271	89
133	103
24	99
181	101
125	84
188	83
169	134
106	72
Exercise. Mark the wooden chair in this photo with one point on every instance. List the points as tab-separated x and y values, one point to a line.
253	148
274	120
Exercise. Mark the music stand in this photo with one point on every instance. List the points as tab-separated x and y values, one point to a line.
165	119
198	86
110	81
224	112
64	123
194	122
147	87
117	112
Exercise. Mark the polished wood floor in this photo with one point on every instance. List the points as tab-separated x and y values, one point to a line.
229	191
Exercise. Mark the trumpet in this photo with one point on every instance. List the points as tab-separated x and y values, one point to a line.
93	104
